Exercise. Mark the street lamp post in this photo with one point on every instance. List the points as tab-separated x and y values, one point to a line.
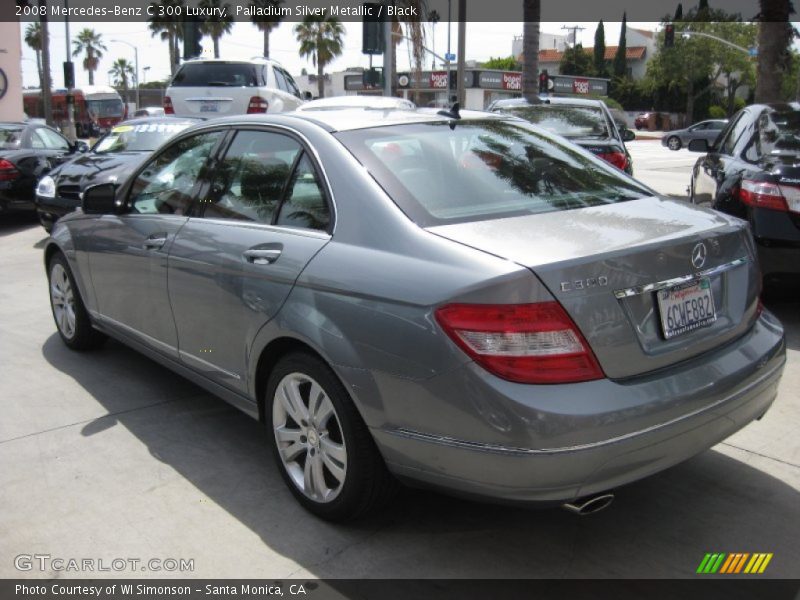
145	69
136	65
69	73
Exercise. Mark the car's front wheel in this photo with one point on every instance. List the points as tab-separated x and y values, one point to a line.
72	320
674	143
323	449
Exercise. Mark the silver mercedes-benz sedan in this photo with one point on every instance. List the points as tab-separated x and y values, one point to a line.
451	299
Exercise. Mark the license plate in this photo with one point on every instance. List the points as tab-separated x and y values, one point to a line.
686	307
209	107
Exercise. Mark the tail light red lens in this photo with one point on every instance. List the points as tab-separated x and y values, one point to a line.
8	172
257	105
168	108
524	343
762	194
618	159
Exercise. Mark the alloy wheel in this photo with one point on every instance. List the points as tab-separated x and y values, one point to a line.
63	300
674	143
309	437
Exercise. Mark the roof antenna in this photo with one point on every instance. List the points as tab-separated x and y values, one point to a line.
453	113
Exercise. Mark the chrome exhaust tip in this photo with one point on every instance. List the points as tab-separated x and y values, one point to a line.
588	505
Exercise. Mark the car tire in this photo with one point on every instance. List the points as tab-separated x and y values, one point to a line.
69	312
674	143
320	443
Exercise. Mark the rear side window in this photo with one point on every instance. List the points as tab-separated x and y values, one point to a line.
485	169
10	137
216	74
305	204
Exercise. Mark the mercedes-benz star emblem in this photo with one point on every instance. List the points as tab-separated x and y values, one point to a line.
699	255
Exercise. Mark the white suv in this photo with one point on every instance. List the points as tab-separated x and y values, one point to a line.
215	87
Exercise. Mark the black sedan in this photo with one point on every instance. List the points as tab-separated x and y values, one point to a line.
27	151
587	123
752	171
113	156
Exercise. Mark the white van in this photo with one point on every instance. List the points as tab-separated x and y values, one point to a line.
215	87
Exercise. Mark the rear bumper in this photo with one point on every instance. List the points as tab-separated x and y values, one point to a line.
610	434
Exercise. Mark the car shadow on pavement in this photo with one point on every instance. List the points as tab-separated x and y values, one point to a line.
11	223
659	527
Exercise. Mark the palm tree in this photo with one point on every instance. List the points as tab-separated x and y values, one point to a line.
321	39
91	43
33	37
169	29
775	35
47	82
266	24
122	71
531	14
413	31
217	27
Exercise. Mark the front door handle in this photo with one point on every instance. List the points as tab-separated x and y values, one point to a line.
155	241
262	256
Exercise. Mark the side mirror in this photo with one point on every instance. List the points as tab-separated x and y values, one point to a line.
307	96
628	135
80	146
698	145
101	199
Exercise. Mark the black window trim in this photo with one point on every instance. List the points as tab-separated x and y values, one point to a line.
305	149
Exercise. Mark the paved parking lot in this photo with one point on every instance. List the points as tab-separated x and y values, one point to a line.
107	455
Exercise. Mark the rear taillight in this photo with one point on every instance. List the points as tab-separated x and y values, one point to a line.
762	194
8	171
168	108
257	104
618	159
525	343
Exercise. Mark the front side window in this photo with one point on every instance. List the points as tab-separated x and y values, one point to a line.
165	186
249	182
732	134
51	140
484	169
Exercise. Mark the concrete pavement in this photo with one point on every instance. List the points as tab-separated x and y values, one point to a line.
107	455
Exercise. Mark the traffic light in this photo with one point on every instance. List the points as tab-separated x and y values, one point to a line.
669	35
191	39
543	79
372	38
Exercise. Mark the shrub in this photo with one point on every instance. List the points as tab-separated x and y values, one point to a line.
717	112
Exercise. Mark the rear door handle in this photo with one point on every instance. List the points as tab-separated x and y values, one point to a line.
155	241
262	256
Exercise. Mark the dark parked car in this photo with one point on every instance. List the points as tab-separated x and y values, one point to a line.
112	157
587	123
457	299
704	130
27	151
753	172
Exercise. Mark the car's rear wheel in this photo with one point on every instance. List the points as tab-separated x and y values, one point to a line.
69	313
323	449
674	143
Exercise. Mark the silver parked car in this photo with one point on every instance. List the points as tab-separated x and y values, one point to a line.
704	130
453	299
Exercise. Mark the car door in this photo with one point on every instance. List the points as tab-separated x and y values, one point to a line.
712	169
265	216
128	252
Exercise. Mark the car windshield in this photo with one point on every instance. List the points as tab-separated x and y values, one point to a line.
142	137
216	74
779	132
10	137
484	169
111	107
569	121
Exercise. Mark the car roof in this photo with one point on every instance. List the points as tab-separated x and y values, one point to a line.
247	61
776	106
347	119
160	119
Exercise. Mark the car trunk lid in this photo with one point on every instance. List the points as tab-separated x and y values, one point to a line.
606	266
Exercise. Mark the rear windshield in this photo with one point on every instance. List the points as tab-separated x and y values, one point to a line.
569	121
111	107
216	74
10	137
484	169
142	137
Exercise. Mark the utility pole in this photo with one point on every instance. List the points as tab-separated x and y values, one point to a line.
447	56
135	66
462	49
47	85
574	29
69	80
388	52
